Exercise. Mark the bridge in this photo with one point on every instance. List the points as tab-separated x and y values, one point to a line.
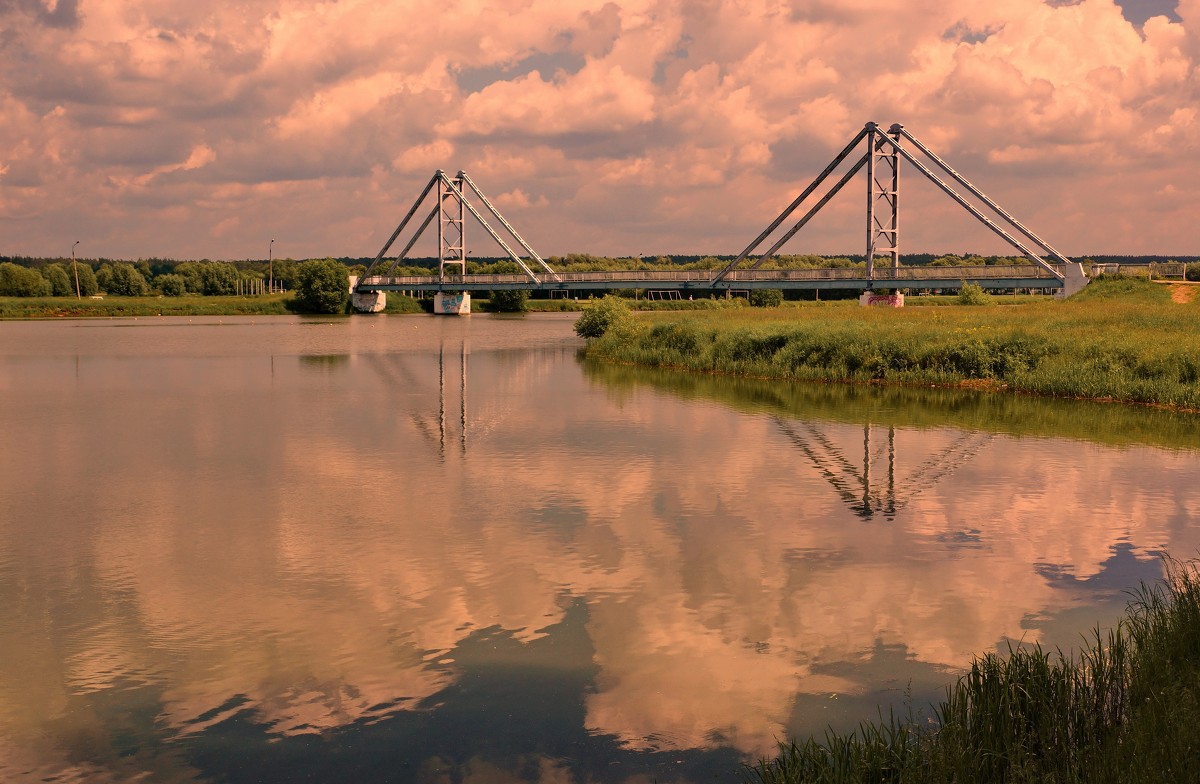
456	197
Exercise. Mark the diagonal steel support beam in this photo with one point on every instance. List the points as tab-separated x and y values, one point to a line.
451	190
496	214
404	253
395	234
983	197
449	184
971	208
775	224
816	208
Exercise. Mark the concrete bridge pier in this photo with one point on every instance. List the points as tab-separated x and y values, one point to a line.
451	303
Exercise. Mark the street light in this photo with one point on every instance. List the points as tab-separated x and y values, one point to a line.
271	267
75	268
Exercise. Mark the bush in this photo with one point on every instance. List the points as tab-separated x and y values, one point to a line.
171	285
87	279
601	316
125	281
509	301
322	286
218	278
973	294
60	282
18	281
766	298
1193	271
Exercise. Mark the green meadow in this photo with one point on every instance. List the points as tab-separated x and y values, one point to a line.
1119	339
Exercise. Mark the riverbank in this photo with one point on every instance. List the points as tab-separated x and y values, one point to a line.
123	307
1119	340
1126	710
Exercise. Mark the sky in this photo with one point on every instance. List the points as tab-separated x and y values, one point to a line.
206	129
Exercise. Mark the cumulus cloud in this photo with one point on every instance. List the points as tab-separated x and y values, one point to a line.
641	121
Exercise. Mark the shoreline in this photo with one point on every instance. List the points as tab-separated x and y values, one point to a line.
1120	341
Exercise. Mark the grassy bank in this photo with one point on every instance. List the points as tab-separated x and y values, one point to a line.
118	307
1021	416
1119	340
1127	709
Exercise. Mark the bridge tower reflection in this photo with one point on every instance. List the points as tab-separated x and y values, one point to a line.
864	494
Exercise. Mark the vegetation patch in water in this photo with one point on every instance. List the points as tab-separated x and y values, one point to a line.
1124	341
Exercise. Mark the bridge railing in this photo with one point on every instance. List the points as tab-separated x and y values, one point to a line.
901	273
636	277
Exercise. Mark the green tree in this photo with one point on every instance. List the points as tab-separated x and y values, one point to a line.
125	281
601	316
171	285
972	294
218	278
18	281
60	282
284	271
190	272
322	286
104	276
87	279
509	300
766	298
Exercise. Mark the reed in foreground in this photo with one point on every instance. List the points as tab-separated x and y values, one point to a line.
1127	709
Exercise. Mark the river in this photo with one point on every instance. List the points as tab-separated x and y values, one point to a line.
420	549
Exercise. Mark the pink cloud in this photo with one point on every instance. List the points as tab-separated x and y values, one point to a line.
685	123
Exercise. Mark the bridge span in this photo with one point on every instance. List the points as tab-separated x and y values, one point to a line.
882	153
706	281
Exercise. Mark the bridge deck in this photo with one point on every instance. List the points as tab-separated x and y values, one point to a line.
994	277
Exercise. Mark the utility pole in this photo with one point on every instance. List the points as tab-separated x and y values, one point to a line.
271	267
75	269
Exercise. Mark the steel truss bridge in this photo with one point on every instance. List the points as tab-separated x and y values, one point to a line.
454	198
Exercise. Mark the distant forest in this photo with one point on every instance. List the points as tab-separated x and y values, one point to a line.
25	276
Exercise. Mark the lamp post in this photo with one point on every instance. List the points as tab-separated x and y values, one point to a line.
271	267
75	269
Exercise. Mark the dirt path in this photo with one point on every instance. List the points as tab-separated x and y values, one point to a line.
1183	293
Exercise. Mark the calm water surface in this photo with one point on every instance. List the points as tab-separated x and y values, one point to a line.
445	550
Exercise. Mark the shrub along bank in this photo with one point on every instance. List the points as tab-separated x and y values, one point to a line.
1120	340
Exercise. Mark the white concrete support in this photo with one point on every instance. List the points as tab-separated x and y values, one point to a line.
366	301
452	304
886	300
1074	280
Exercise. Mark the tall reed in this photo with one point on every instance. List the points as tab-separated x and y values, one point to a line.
1127	708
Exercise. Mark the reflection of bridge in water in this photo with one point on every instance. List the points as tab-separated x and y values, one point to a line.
397	373
456	197
862	492
867	490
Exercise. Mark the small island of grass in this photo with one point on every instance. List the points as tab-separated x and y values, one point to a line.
1119	339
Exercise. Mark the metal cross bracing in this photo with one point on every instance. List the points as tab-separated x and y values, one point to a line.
882	161
452	205
857	487
884	150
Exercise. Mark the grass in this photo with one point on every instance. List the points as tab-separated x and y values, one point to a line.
116	307
916	407
1127	709
1118	340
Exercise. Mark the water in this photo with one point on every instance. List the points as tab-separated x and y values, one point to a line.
422	549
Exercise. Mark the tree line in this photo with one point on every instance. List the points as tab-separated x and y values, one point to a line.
44	277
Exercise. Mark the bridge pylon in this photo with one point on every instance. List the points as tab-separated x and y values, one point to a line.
881	159
453	202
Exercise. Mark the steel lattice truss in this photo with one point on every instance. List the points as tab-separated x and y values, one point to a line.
450	208
882	161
